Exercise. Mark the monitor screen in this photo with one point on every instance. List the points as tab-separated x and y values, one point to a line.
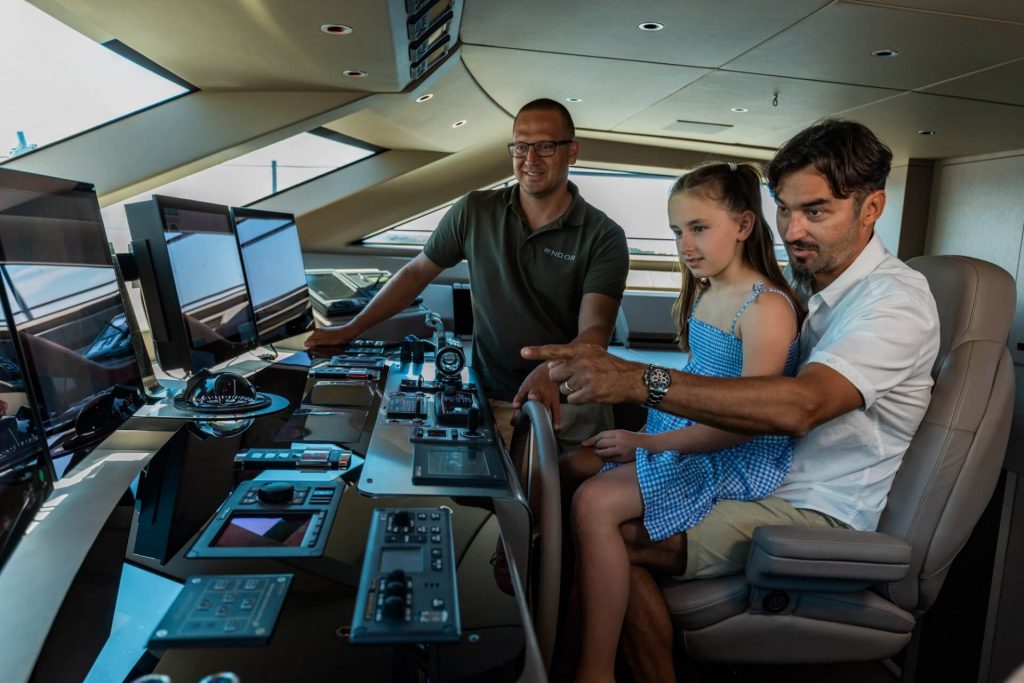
261	530
26	473
209	280
272	259
70	320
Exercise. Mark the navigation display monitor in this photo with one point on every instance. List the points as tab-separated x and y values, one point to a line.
209	281
26	472
68	316
264	530
272	260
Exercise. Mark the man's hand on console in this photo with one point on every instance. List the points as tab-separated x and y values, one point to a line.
538	387
335	335
587	373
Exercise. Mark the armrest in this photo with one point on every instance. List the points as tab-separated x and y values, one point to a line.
824	559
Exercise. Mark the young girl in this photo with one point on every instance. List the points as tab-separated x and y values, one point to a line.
736	316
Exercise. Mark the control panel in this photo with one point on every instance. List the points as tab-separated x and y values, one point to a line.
228	610
345	372
293	458
266	518
403	405
407	590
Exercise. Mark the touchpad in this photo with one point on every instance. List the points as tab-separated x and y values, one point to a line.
340	393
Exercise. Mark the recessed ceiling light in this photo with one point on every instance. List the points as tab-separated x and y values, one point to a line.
336	29
425	97
926	131
573	99
740	110
459	124
355	73
651	26
885	53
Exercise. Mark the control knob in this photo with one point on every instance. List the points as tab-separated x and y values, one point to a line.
275	492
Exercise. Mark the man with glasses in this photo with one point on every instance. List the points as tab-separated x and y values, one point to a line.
545	268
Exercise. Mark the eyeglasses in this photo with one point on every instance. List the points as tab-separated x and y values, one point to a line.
542	148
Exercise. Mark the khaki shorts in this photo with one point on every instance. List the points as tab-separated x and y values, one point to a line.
578	422
719	545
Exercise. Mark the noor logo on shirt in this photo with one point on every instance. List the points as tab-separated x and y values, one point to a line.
559	254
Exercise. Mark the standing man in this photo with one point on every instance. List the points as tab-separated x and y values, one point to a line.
867	346
544	265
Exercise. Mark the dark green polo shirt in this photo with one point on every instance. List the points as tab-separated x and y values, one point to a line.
527	286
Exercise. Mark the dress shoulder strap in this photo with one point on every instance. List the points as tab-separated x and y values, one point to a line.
696	301
758	289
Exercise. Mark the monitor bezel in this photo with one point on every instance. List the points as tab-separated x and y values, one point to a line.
246	212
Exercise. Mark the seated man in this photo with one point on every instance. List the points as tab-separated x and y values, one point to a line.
545	266
864	382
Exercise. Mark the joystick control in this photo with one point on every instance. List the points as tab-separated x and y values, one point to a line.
472	430
275	492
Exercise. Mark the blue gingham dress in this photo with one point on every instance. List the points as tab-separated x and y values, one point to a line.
679	490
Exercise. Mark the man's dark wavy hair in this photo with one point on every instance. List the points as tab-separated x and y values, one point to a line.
852	159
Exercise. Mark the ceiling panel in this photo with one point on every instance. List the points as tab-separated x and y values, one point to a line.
256	45
398	121
963	127
835	44
1001	84
1006	10
711	99
696	33
610	90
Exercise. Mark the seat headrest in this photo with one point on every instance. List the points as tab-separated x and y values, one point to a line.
976	300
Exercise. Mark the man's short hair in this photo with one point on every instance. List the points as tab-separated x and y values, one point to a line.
545	104
852	159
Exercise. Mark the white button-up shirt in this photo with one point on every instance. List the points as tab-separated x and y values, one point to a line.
877	326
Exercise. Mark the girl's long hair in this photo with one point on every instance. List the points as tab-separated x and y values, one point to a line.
737	187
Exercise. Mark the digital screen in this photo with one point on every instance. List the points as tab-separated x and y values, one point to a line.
272	259
66	306
406	559
456	462
331	426
210	283
330	287
264	531
334	393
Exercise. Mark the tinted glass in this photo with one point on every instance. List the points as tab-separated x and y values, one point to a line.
272	259
63	295
211	287
25	470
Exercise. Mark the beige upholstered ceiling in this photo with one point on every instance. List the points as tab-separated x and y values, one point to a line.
959	72
815	56
648	100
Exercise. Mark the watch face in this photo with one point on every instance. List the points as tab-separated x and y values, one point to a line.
658	378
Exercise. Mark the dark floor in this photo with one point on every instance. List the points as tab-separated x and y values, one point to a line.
861	672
